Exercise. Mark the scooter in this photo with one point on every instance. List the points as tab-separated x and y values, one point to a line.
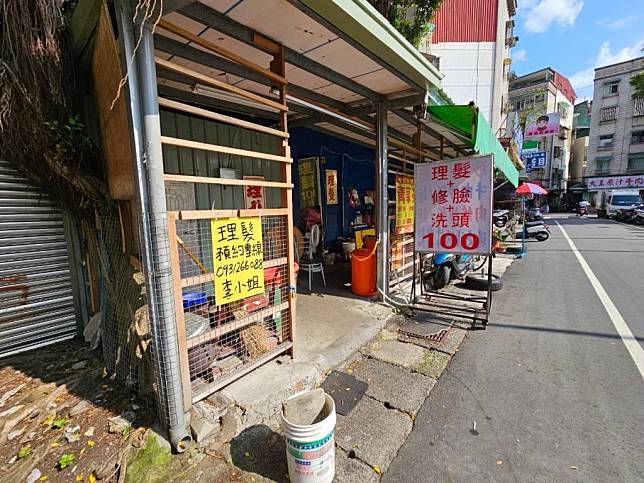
442	268
537	229
534	214
582	211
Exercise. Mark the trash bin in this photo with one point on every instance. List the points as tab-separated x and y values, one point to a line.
363	271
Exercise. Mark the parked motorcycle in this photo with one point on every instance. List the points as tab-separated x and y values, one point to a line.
441	268
536	229
640	215
534	214
629	216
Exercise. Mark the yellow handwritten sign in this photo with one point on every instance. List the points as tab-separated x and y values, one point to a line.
238	258
404	204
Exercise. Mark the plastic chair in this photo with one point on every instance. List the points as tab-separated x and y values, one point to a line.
308	262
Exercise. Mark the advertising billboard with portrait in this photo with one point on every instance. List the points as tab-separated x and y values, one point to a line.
539	125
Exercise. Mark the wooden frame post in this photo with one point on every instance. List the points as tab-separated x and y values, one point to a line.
278	66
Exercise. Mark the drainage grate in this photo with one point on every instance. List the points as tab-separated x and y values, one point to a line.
427	326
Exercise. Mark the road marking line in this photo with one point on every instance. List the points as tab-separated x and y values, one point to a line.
629	340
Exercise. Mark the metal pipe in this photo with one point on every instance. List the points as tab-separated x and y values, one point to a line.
382	219
142	90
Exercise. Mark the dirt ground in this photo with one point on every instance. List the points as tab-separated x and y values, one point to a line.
55	410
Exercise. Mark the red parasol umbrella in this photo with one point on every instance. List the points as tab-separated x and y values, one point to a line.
531	188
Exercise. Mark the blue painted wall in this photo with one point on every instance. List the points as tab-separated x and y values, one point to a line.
354	164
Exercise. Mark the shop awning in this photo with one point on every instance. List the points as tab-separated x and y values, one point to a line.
477	134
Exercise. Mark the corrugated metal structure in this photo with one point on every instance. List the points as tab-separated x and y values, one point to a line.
36	295
466	21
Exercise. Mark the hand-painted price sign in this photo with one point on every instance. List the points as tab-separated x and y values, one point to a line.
238	258
404	204
453	206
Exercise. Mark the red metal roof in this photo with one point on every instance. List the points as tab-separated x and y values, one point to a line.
565	87
466	21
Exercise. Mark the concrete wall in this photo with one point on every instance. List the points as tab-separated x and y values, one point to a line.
578	158
622	127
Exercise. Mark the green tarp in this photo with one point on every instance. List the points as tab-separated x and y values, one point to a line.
476	132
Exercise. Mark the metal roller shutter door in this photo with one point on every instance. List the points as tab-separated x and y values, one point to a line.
36	298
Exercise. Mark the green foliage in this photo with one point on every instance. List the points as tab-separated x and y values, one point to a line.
637	82
66	460
410	17
24	452
60	423
69	139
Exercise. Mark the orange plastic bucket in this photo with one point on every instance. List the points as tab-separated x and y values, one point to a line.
363	271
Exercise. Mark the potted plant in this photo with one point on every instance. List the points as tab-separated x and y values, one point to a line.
499	237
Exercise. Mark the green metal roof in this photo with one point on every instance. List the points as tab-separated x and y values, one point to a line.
477	133
360	21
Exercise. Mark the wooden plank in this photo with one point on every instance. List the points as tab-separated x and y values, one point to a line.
215	116
178	308
279	66
204	79
225	380
208	276
229	182
216	214
206	44
234	325
185	143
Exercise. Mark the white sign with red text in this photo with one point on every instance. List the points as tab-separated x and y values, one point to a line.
453	206
615	182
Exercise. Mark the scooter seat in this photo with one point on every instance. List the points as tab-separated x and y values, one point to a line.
534	223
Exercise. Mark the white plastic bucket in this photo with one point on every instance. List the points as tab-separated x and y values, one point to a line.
310	450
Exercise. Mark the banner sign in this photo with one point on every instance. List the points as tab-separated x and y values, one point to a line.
539	125
453	206
331	178
615	182
308	172
238	258
404	204
254	195
534	160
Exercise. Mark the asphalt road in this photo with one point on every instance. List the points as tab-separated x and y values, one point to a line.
553	391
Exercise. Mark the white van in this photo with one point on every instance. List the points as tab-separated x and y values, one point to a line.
609	202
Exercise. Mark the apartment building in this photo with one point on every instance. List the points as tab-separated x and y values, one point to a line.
616	145
541	92
580	142
470	42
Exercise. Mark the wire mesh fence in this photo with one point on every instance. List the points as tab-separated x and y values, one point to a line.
235	283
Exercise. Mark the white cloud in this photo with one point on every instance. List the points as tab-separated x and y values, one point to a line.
618	23
539	14
519	56
583	80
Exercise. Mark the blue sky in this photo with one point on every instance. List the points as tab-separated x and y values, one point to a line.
575	36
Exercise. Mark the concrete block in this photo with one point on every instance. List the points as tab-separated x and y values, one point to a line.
396	352
373	432
261	393
393	385
352	470
203	429
433	363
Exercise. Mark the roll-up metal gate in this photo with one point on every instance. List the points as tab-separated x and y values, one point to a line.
36	297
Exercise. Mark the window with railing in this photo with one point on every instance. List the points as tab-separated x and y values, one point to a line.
637	137
608	114
636	163
605	141
603	165
638	107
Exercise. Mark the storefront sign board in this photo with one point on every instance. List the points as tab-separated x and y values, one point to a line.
331	180
615	182
404	204
238	258
540	125
307	169
453	206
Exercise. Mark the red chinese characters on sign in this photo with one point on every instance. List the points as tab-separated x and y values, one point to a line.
254	195
454	206
404	204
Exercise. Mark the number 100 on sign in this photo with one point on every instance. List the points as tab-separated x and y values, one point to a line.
450	241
